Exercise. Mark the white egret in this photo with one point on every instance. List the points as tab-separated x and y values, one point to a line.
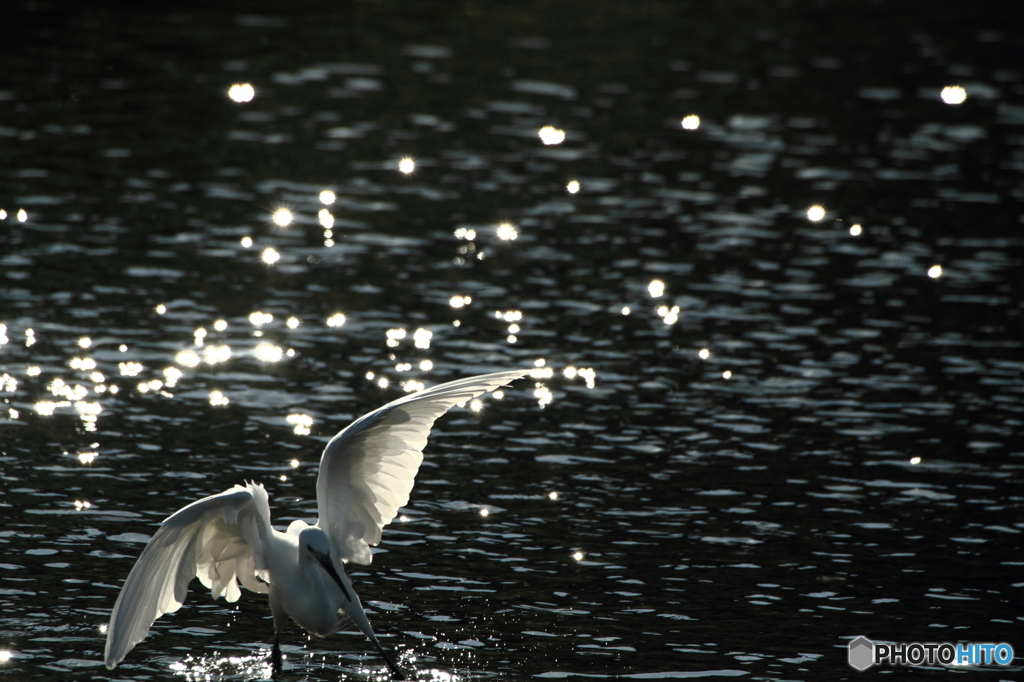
366	473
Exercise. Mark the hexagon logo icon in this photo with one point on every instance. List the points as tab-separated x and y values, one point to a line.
862	653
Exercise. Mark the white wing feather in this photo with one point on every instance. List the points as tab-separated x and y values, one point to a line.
367	470
220	538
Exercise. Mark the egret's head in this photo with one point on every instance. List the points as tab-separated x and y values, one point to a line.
314	540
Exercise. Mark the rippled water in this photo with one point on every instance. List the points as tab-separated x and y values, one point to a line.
751	437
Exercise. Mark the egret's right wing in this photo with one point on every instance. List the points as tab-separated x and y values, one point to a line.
220	538
367	470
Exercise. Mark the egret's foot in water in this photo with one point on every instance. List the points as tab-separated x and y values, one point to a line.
275	658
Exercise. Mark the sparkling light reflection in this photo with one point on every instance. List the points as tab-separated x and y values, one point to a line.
327	197
953	94
573	186
656	288
394	336
543	395
270	255
259	319
421	338
171	376
507	232
336	320
82	364
302	424
241	92
815	213
509	315
45	408
206	668
282	217
129	369
188	358
218	399
935	271
88	413
406	165
856	230
216	354
413	386
704	354
326	220
550	135
588	375
668	315
691	122
268	352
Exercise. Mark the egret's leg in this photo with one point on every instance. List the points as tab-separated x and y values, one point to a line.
280	620
275	655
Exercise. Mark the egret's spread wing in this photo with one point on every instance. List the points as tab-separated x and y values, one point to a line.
367	470
220	538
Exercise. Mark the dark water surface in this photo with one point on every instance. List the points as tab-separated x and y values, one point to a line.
843	459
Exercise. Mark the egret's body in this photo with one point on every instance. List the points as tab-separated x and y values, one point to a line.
366	473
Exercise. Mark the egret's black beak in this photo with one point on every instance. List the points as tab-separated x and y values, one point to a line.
325	561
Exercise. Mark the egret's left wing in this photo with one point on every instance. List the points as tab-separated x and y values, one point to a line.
367	470
220	538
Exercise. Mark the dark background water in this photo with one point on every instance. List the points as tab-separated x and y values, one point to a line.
857	473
